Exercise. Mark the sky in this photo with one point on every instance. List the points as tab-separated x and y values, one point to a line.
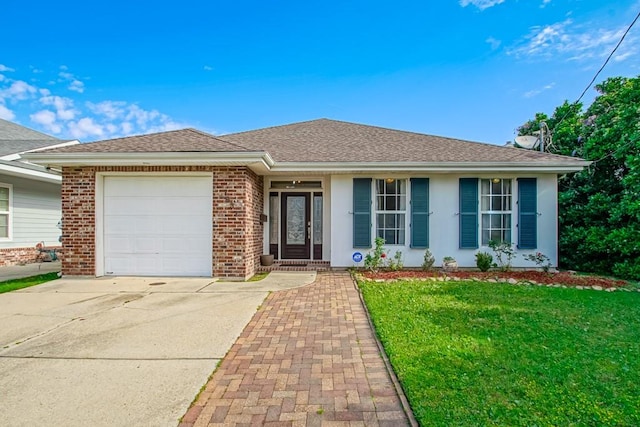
468	69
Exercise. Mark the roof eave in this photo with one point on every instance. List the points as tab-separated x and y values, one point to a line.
254	159
433	167
21	172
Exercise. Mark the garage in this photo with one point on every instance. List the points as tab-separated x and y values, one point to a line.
157	225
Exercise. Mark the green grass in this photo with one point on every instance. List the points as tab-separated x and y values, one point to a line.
495	354
258	276
12	285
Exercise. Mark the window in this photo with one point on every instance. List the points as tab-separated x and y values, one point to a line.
391	207
495	206
5	206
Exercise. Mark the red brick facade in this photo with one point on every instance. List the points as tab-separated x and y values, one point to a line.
21	256
237	205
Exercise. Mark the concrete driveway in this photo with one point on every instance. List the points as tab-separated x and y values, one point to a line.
119	351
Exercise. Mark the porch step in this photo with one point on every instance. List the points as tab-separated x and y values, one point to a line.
296	265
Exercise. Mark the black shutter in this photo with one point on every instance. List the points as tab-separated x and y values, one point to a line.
527	213
419	212
468	213
362	212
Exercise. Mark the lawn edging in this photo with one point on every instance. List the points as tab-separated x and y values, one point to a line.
406	407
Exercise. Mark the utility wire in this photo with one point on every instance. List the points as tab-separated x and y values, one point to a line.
599	71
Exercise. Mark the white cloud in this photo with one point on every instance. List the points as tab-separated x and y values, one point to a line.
6	113
535	92
18	91
208	68
544	3
85	127
64	106
110	109
481	4
46	119
493	42
74	84
5	68
574	42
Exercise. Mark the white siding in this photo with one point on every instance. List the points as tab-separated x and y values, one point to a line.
35	214
443	223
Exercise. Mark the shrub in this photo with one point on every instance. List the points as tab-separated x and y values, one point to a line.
375	259
484	261
504	254
428	261
541	260
396	263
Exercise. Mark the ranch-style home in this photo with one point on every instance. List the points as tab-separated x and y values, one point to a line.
187	203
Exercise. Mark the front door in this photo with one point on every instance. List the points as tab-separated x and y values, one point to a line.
296	225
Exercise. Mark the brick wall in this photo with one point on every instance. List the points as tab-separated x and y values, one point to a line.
21	256
237	230
237	205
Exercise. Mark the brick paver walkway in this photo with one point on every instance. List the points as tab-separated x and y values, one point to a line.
307	358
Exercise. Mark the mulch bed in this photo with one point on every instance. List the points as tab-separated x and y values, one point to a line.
563	278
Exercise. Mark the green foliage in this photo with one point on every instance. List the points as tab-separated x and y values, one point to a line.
500	355
504	254
599	208
374	260
541	260
484	261
396	263
428	260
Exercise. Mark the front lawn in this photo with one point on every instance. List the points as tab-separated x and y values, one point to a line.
476	353
12	285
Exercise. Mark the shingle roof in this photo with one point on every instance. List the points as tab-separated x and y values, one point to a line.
15	132
16	139
327	140
177	141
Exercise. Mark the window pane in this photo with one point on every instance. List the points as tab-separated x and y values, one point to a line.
380	203
317	220
390	203
484	203
273	219
496	187
485	185
4	226
380	186
4	206
402	200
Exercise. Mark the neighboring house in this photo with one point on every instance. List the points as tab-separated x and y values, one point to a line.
29	195
187	203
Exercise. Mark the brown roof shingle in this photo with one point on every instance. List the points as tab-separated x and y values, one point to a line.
327	140
176	141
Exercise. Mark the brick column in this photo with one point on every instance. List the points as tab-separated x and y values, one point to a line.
237	230
78	221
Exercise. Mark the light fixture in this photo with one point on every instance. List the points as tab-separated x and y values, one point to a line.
496	180
389	180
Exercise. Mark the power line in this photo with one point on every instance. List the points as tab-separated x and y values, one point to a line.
600	70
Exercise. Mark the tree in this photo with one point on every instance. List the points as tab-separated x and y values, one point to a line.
599	207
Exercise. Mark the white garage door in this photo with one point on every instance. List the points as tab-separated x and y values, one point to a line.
157	226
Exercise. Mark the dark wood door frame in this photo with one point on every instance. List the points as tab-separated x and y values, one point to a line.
296	250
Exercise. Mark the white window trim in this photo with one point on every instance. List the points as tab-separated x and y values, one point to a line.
376	211
9	214
492	212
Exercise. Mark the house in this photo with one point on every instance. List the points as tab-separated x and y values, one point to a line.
29	195
186	203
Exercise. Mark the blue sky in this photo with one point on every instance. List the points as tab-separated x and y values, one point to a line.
470	69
